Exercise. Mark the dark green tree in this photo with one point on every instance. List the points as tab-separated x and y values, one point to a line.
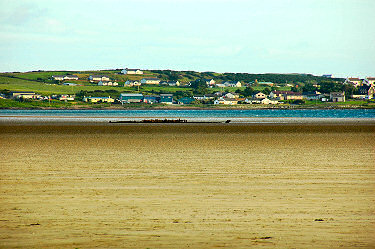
308	87
249	91
199	86
266	91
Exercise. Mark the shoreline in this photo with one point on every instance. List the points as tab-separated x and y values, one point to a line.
179	107
98	130
42	120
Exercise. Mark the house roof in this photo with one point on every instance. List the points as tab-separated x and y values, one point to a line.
99	76
166	95
354	79
286	92
186	99
168	82
22	92
230	99
232	82
210	95
132	94
98	97
132	69
151	79
370	78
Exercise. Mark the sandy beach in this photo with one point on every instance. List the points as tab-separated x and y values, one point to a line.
91	185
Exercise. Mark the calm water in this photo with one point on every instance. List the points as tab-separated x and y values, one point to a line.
347	113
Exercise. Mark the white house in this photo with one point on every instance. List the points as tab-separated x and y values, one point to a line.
98	78
103	83
150	81
337	96
98	99
65	77
170	83
356	82
132	83
66	97
25	95
226	101
131	71
231	95
267	101
210	82
232	84
220	85
260	95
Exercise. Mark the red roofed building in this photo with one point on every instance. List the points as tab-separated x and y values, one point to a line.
356	82
370	81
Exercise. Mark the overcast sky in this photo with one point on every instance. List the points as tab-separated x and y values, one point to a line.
254	36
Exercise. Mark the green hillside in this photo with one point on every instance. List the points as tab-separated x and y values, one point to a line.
41	81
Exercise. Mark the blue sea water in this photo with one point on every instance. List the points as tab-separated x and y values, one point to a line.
300	113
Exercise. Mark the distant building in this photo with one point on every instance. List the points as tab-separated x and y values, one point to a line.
293	96
267	101
220	85
151	99
66	97
210	82
312	95
210	96
65	77
166	98
98	78
232	84
337	96
327	75
356	82
285	95
260	95
170	83
199	97
103	83
24	95
367	91
150	81
226	101
107	83
131	71
185	101
231	95
131	98
98	99
132	83
370	81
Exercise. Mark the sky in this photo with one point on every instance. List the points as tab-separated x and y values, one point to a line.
254	36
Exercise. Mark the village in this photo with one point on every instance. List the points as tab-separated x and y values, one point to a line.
217	92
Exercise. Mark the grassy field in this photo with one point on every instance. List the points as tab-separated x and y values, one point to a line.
14	84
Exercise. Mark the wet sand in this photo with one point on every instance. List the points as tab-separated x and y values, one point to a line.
187	186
